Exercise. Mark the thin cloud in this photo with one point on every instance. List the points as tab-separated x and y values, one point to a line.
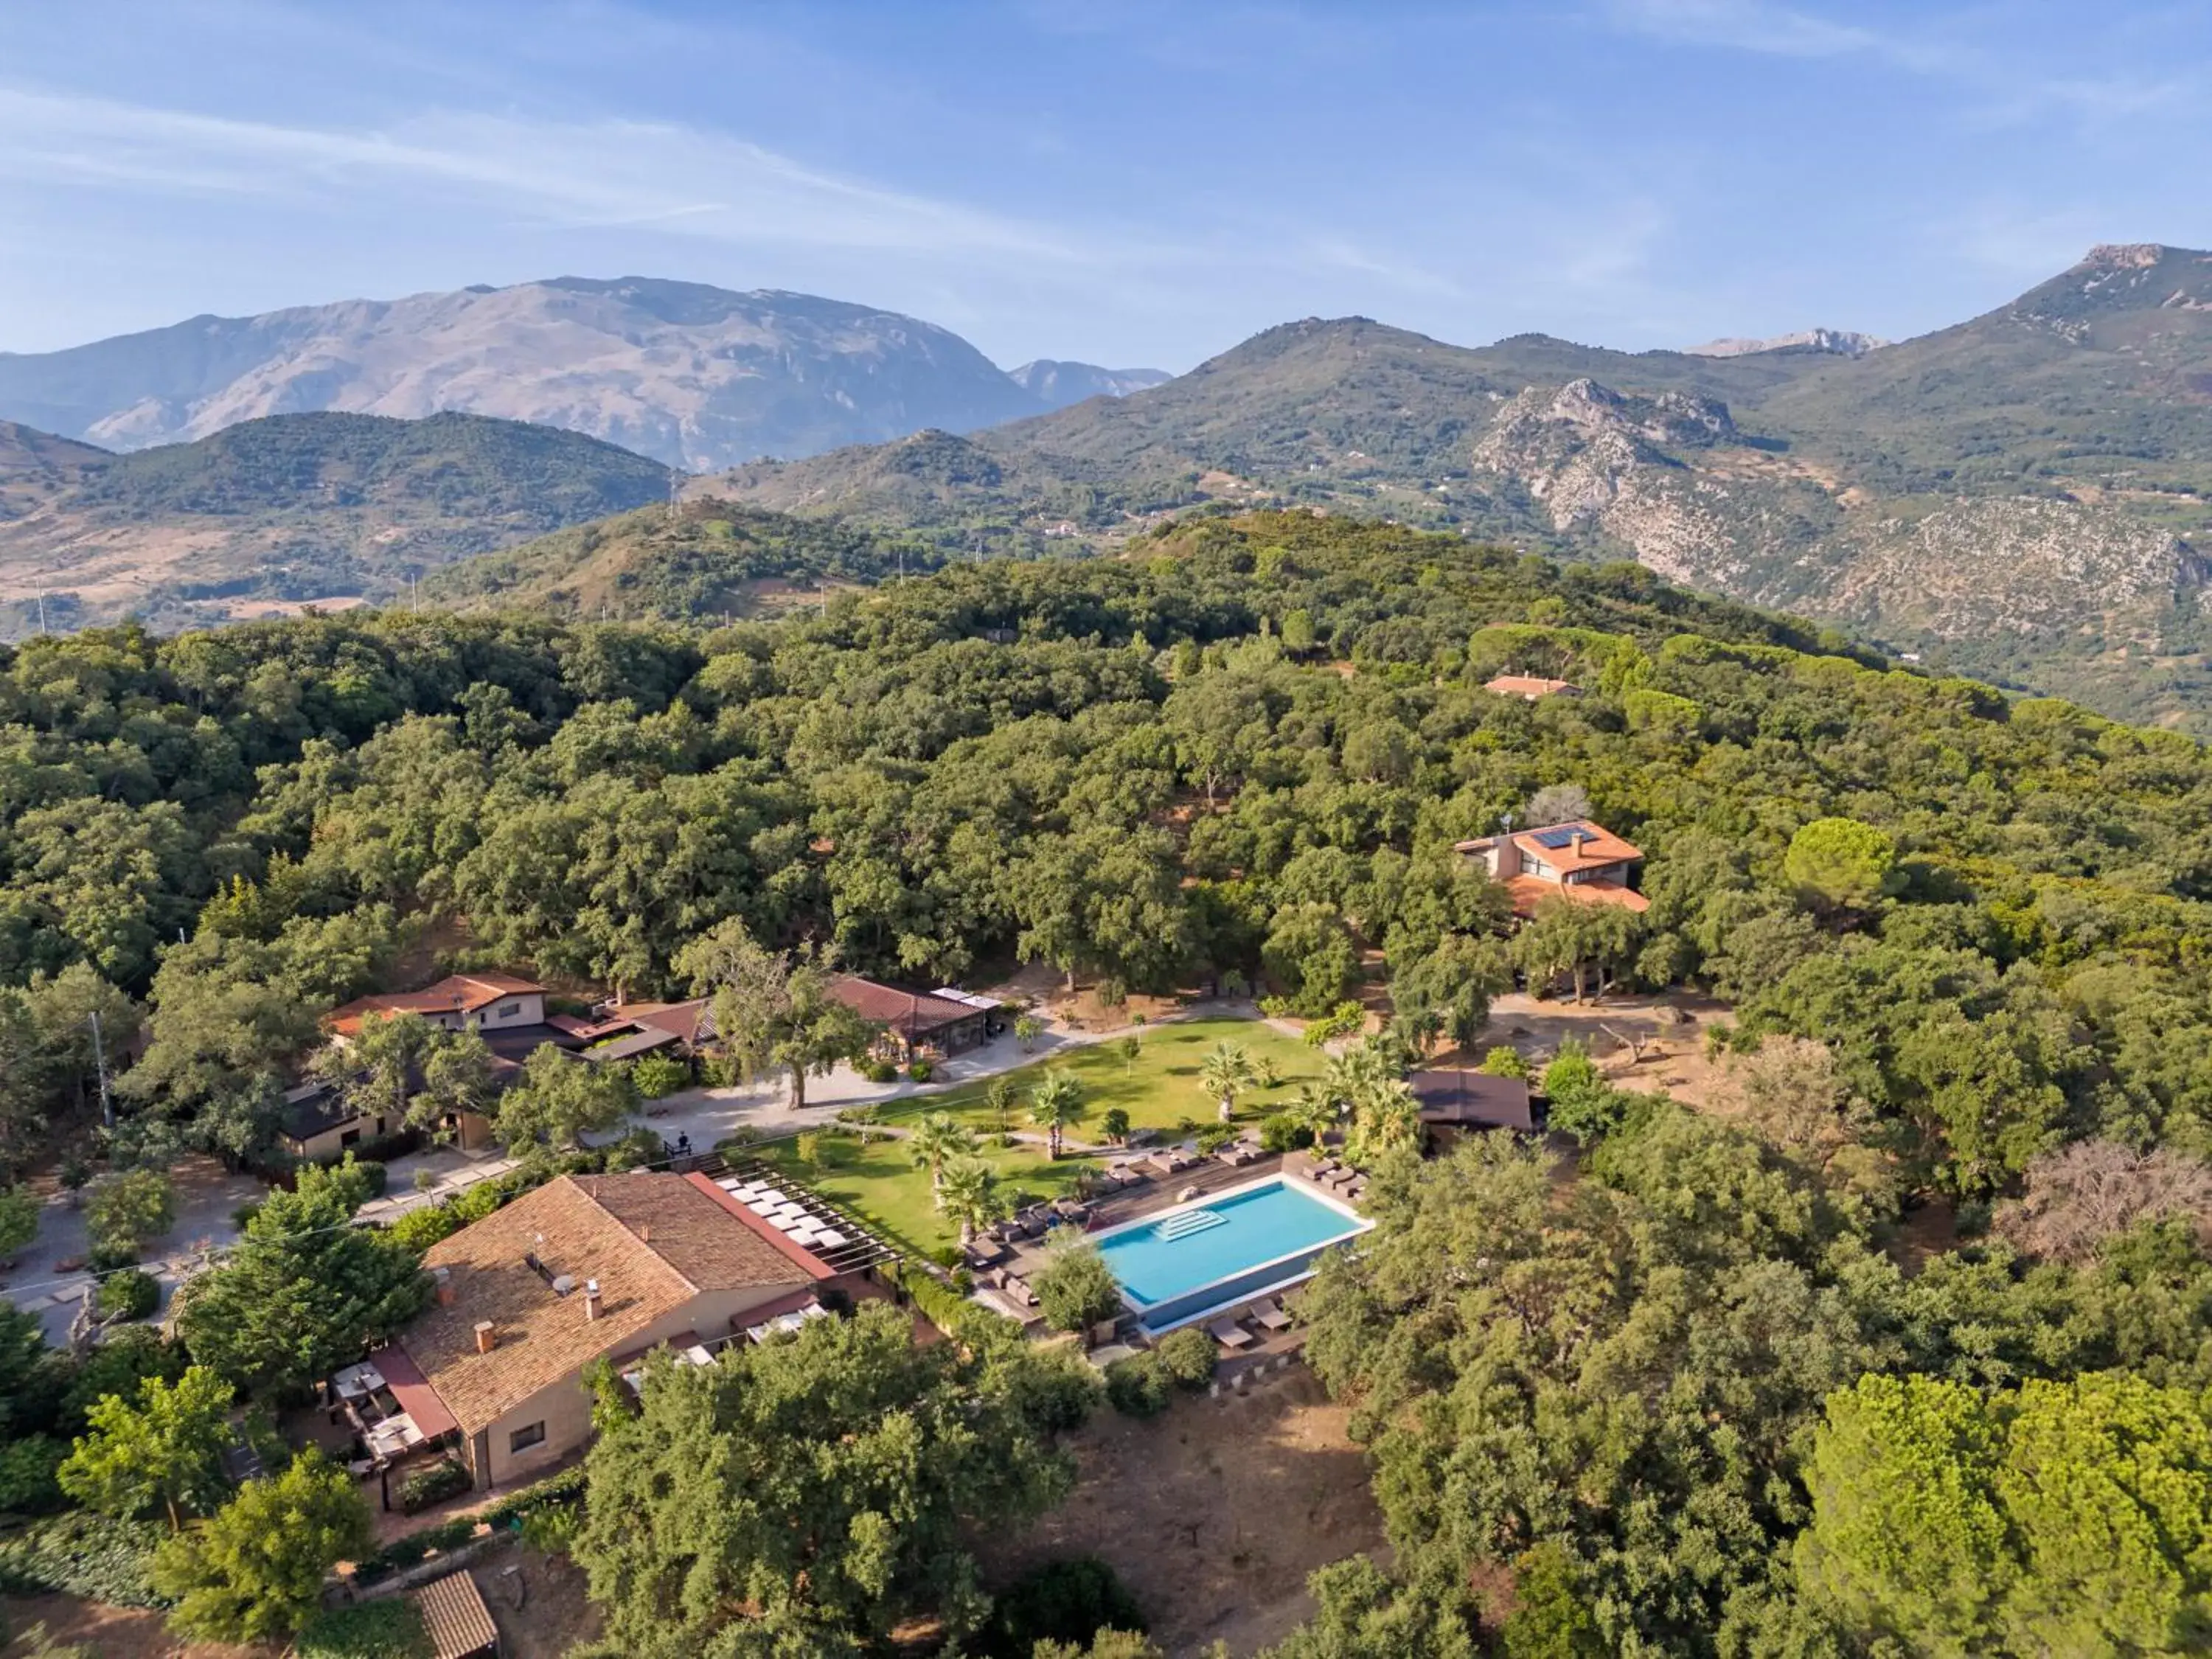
2008	91
610	171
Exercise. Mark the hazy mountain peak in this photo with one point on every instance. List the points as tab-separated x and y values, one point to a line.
1832	341
1058	384
692	375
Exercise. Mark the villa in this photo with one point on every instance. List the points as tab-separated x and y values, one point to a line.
1580	860
582	1268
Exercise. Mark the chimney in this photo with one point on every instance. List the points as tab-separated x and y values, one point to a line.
486	1336
645	1232
1579	839
591	1298
444	1276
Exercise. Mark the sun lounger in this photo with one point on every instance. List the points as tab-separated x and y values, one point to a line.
1271	1314
1229	1333
1341	1178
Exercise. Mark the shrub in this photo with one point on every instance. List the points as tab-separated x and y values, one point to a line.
131	1294
1067	1600
1187	1355
656	1075
27	1475
109	1256
376	1176
1138	1385
479	1201
637	1150
922	1070
122	1211
719	1070
1214	1136
433	1484
80	1553
1502	1061
390	1627
1114	1123
1280	1132
1076	1289
419	1229
881	1070
551	1530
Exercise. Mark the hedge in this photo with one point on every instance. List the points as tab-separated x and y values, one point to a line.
566	1487
390	1627
131	1294
434	1483
81	1554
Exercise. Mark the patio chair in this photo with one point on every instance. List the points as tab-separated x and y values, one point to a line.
1270	1314
1229	1333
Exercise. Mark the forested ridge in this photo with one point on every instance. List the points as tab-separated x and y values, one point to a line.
1964	938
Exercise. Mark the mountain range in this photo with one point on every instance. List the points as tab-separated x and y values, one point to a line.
2025	495
694	376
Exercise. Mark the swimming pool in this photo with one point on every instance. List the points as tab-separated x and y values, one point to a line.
1184	1263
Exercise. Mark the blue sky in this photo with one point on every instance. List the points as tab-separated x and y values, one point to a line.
1130	183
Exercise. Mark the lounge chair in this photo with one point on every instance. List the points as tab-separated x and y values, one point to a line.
1271	1314
1229	1333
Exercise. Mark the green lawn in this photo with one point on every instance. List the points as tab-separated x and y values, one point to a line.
1158	1091
880	1185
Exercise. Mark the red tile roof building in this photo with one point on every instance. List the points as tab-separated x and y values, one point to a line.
1579	860
1531	688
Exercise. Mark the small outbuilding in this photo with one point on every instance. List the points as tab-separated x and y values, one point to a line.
1454	1099
455	1619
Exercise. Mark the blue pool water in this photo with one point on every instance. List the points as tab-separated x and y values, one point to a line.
1196	1257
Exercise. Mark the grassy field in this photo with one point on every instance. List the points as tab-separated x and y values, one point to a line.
879	1183
1157	1092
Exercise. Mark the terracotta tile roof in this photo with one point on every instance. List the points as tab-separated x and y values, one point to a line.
1527	892
462	992
455	1618
1550	844
1528	685
910	1012
687	1021
653	1241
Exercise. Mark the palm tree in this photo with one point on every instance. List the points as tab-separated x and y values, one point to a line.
1225	1074
968	1192
935	1139
1389	1117
1056	1103
1313	1109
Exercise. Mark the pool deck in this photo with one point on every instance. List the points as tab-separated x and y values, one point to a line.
1204	1180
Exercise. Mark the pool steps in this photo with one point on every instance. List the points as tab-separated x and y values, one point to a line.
1186	1222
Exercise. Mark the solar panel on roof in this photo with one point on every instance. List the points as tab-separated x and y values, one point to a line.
1563	836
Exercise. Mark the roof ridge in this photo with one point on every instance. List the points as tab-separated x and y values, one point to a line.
592	1198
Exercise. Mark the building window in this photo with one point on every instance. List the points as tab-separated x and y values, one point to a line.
523	1439
351	1138
508	1010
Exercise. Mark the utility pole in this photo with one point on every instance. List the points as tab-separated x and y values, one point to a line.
99	1063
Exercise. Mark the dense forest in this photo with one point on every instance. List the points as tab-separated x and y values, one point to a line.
1963	938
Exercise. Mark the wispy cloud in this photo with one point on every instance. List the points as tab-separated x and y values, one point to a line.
2005	88
562	173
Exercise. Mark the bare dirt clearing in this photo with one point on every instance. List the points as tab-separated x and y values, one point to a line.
1214	1514
1642	1042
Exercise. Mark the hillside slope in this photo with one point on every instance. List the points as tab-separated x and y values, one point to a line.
697	376
704	559
2024	495
291	508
